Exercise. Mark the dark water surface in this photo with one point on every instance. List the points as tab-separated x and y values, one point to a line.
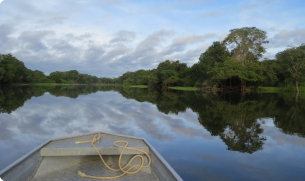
203	137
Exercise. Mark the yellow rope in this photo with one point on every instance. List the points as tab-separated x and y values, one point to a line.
123	169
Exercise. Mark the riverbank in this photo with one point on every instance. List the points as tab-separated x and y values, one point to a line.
261	89
139	86
184	88
62	84
175	88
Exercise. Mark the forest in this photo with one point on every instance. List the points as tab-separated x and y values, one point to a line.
14	71
233	64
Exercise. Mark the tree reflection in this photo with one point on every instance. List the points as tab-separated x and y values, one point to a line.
290	117
14	97
233	119
236	124
243	138
227	116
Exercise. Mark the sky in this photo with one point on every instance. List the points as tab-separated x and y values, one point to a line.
107	38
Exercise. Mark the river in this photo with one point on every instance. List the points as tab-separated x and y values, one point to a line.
202	136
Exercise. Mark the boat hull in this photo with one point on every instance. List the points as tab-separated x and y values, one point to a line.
37	165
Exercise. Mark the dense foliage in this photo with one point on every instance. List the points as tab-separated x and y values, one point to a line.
13	70
293	64
231	64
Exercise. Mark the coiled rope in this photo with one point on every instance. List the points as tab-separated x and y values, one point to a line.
121	168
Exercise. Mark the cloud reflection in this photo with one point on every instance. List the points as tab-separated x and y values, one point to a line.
176	133
47	117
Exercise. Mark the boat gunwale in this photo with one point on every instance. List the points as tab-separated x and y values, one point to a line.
170	169
163	161
81	135
19	160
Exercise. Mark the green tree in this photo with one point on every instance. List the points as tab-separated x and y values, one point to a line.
168	73
72	76
12	70
272	73
292	60
245	47
141	77
232	68
55	77
153	78
216	53
246	44
37	76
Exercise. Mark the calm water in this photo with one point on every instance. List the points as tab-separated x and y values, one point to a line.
203	137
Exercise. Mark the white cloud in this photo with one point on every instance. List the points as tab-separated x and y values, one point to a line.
108	38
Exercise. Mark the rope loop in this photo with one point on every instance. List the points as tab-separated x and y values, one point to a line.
121	168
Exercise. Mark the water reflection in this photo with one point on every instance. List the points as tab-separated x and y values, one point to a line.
208	124
231	117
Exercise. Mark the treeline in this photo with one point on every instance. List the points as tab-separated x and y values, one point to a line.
74	77
168	73
13	71
231	64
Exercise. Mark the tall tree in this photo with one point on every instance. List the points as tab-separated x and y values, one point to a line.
246	47
246	44
293	61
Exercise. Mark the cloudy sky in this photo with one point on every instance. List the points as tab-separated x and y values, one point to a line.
107	38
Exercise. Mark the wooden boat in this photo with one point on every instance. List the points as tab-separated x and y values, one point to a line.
62	159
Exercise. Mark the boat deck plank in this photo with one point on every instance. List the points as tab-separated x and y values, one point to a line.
67	147
66	168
